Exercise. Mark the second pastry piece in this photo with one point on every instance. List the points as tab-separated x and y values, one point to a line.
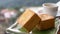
46	22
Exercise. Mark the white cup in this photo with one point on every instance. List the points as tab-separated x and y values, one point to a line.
50	8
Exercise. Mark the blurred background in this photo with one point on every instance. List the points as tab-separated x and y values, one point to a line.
21	3
16	5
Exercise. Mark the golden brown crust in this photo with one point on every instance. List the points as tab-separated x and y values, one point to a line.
25	16
45	17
